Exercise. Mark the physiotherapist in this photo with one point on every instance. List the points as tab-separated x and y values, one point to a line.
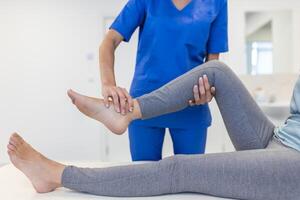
174	37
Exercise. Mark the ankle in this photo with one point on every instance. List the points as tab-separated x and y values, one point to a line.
57	171
136	113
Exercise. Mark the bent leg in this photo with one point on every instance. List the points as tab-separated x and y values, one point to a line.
253	175
246	124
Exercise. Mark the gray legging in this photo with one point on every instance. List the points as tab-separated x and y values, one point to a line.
261	169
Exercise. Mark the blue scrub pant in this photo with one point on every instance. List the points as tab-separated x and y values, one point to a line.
146	142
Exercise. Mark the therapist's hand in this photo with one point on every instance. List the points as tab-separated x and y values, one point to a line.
120	98
203	92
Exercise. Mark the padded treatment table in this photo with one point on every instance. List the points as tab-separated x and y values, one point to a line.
14	185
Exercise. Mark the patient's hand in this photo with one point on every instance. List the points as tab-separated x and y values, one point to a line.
203	92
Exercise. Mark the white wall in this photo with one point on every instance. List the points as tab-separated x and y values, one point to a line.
46	47
282	42
296	39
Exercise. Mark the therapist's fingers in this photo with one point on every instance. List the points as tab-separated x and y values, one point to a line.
192	103
106	101
115	99
122	100
106	93
196	94
207	89
202	91
129	100
213	91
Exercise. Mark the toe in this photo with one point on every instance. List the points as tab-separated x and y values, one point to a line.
13	142
16	139
76	97
16	135
71	94
11	147
10	152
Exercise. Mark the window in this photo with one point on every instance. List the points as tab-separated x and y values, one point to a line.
260	58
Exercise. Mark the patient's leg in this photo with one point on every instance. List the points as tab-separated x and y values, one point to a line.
256	174
44	174
253	174
246	124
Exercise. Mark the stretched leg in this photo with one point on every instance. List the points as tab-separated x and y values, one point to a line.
252	175
266	174
246	124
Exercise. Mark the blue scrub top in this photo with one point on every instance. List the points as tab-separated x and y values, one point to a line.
172	42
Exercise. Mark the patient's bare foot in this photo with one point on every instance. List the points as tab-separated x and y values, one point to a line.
44	174
95	108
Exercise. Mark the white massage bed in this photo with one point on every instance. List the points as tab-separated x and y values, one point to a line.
15	186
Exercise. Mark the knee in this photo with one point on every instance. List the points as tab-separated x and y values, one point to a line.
168	162
173	171
219	65
171	164
220	71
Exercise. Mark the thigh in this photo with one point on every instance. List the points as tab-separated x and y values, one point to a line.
247	125
253	174
145	142
190	140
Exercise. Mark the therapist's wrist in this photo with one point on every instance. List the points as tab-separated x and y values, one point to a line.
108	83
212	57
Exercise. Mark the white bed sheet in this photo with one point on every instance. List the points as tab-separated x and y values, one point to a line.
15	186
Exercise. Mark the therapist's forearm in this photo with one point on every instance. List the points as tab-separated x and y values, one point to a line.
106	62
120	97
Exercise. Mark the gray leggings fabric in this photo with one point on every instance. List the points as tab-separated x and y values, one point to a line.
260	169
